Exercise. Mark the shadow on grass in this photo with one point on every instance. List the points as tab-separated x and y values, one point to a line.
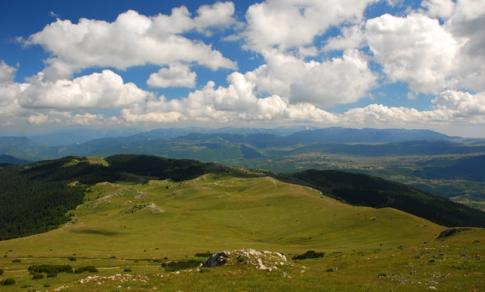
102	232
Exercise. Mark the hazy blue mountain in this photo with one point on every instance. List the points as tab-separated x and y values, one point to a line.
79	135
20	147
422	147
8	159
348	135
468	168
229	144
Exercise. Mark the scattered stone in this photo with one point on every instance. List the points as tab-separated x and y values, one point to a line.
215	260
262	260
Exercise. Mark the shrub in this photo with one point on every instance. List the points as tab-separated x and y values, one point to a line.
1	272
37	276
50	270
72	259
127	270
7	282
181	265
310	254
203	254
16	261
89	269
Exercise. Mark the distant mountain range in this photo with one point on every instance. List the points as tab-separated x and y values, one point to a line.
231	144
7	159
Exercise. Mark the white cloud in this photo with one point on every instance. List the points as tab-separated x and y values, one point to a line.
236	102
414	49
450	107
97	90
462	104
38	119
219	15
6	73
438	8
325	84
466	24
9	91
176	75
132	40
352	37
286	24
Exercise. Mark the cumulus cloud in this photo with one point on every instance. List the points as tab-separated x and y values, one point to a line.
219	15
461	104
466	24
428	55
176	75
438	8
340	80
438	48
38	119
98	90
352	37
132	40
449	107
6	73
9	92
286	24
236	102
414	49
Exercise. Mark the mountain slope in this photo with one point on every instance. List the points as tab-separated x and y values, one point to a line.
469	168
39	195
8	159
130	230
215	212
361	189
338	135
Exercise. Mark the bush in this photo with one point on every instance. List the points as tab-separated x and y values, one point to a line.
37	276
127	270
72	259
7	282
1	272
16	261
310	254
89	269
203	254
51	271
181	265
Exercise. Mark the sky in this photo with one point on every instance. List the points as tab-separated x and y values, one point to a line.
273	63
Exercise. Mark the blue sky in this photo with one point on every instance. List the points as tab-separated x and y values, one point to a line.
361	63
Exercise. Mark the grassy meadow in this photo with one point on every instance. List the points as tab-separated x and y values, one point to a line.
128	230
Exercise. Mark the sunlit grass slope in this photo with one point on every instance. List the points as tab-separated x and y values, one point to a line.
121	225
211	213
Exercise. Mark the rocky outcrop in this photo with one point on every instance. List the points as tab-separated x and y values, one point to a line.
262	260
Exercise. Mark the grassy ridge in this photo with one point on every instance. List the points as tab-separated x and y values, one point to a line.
360	189
39	195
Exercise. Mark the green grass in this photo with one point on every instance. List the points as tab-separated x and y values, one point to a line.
365	248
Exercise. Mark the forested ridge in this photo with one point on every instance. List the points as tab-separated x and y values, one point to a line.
29	206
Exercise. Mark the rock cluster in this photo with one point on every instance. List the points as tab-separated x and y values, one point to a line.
262	260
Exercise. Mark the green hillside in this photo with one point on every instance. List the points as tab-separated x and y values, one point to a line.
151	227
130	225
365	190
